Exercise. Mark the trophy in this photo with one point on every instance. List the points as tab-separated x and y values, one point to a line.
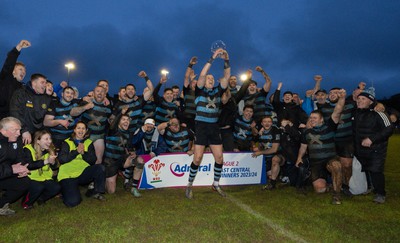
217	45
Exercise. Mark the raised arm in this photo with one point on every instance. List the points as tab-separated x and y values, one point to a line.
202	78
243	89
339	106
161	127
317	79
157	97
189	71
268	82
149	92
227	70
276	102
9	64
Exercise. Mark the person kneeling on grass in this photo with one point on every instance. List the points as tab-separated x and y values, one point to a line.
41	157
320	141
146	140
268	144
77	157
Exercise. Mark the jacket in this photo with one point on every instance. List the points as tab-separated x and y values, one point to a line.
30	108
8	83
10	153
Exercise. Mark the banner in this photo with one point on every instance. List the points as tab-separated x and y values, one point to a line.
172	170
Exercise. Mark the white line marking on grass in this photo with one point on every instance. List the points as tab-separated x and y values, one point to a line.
268	221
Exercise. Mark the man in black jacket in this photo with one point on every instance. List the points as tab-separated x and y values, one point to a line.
12	173
11	77
30	104
288	109
371	130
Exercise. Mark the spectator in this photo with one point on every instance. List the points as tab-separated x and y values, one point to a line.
41	157
372	130
13	180
11	77
288	109
77	157
30	104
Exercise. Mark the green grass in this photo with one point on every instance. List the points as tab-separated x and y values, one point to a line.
246	215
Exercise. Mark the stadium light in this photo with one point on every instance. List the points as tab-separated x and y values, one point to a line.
243	77
69	67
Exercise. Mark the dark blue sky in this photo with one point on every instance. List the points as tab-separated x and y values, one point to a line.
344	41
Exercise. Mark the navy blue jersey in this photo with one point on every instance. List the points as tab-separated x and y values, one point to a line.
179	141
97	118
267	138
61	111
208	104
321	141
134	111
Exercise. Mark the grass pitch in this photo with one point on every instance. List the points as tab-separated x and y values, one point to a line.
246	215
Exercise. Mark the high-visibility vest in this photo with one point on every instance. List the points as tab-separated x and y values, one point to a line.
36	175
75	167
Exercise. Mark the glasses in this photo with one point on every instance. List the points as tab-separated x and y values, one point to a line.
14	130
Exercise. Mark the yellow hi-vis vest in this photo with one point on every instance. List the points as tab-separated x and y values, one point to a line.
75	167
35	174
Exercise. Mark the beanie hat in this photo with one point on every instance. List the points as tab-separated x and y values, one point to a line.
369	93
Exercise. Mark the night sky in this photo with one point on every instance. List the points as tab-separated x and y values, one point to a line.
344	41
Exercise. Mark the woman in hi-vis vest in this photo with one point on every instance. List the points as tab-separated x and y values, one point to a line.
77	157
42	160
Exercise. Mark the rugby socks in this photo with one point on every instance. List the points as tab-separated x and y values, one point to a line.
135	183
128	174
193	172
217	173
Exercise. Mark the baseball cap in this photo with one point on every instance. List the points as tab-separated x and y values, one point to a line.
150	121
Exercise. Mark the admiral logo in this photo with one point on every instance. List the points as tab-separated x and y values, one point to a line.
179	171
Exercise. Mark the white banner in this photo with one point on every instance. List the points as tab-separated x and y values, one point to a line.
172	170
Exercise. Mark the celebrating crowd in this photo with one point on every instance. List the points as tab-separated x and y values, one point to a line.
52	141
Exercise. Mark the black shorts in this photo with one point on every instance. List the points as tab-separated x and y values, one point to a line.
345	149
112	166
207	134
268	161
319	170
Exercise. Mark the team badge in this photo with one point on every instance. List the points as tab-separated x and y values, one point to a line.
29	104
